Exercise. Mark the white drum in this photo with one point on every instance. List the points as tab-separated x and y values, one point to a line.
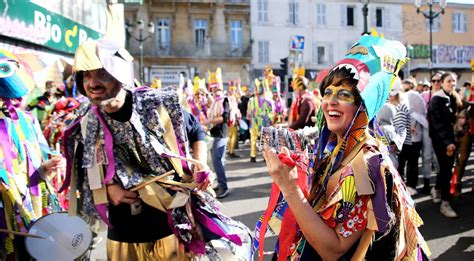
64	237
224	250
243	125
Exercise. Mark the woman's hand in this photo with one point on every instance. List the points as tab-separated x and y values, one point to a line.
283	175
57	163
450	150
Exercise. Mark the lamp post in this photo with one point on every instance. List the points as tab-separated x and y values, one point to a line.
409	49
140	25
365	13
430	15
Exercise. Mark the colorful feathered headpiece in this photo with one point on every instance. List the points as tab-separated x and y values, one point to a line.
215	79
375	62
13	79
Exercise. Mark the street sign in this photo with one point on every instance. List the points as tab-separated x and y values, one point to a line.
297	43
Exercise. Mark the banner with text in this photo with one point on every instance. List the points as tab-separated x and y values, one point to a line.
32	23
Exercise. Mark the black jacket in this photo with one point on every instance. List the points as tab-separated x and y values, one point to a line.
441	118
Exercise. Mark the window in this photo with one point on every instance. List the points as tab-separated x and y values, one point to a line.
163	33
200	28
350	16
294	6
235	34
436	24
459	22
379	17
460	56
262	6
321	14
322	54
263	52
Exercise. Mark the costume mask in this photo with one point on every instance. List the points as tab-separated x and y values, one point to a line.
13	79
375	63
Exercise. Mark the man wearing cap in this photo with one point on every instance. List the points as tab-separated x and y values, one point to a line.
124	138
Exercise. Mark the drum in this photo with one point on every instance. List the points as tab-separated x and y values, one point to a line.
64	237
223	249
243	125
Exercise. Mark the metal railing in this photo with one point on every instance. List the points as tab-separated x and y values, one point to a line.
193	50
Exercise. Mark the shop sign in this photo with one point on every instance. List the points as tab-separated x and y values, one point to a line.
167	75
32	23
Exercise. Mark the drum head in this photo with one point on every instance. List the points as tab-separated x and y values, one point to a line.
243	125
65	237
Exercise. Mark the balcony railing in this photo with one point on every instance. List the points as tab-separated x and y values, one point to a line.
192	50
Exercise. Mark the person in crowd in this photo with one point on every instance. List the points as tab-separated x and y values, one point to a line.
281	112
387	117
419	87
198	102
303	108
243	105
463	131
126	139
429	161
426	86
441	116
233	94
25	166
407	85
70	90
41	105
260	114
415	120
218	122
356	204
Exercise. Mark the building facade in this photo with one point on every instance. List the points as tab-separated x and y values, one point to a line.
453	40
192	37
329	29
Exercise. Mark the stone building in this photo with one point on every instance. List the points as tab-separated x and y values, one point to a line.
191	37
453	40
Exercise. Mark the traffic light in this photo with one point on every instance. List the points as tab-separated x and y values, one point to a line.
284	65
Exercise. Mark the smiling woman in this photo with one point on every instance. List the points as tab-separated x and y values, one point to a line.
357	206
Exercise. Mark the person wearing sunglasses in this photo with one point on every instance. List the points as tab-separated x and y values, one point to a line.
429	161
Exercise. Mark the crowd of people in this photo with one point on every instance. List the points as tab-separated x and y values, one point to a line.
101	146
431	121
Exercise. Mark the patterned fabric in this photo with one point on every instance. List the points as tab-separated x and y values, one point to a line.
131	139
25	196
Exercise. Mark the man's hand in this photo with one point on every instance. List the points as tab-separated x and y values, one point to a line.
198	171
118	195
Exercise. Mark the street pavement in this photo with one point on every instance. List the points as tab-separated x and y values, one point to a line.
448	239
